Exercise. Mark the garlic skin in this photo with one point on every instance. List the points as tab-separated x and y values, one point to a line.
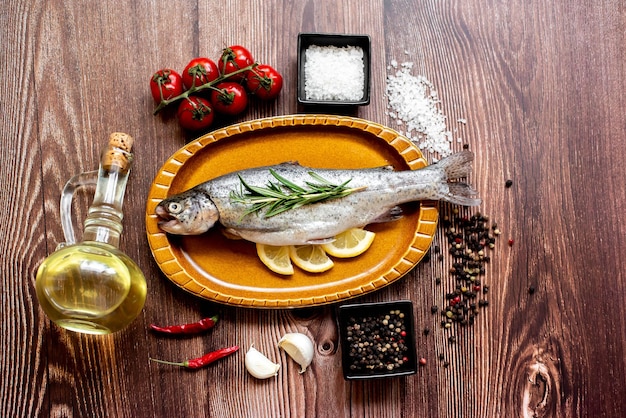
258	365
299	347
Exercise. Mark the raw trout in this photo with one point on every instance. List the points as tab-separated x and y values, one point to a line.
374	196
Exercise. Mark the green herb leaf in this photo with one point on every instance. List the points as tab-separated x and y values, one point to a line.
284	195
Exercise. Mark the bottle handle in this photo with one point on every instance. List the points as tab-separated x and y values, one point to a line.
89	178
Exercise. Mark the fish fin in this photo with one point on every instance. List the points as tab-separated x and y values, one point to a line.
392	214
321	241
231	233
461	194
457	165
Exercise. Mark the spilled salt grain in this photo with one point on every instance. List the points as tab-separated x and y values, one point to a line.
334	73
414	102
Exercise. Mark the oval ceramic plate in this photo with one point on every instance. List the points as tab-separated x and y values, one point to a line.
229	271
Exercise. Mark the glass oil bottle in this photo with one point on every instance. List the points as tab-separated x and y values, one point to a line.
92	287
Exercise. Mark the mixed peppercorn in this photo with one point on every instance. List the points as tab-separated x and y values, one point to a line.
378	342
469	239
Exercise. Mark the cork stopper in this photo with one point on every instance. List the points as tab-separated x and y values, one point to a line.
121	140
113	158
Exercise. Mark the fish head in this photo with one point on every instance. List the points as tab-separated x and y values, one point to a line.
188	213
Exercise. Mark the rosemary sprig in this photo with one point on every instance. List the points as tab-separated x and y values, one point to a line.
284	195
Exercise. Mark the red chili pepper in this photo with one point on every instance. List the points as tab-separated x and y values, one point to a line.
192	328
205	360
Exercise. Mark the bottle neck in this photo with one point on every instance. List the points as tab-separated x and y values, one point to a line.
104	218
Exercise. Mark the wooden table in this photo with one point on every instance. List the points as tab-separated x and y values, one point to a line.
541	86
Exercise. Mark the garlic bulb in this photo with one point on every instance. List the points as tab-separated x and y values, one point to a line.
299	347
258	365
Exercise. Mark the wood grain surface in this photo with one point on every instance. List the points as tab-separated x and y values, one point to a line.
541	86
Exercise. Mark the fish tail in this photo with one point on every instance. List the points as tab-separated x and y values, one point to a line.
455	167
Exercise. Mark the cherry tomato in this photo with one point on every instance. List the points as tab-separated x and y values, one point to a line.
165	84
199	70
195	113
264	82
230	98
234	58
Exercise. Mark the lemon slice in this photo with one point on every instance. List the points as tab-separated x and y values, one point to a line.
311	258
275	258
350	243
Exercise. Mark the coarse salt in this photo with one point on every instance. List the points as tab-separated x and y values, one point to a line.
415	105
334	73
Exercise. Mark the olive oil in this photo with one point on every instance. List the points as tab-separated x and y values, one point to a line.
93	287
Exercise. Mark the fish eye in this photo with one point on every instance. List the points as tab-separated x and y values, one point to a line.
174	207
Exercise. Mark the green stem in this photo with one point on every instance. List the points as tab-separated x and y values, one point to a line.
205	86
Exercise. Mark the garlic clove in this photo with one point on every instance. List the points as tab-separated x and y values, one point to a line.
299	347
258	365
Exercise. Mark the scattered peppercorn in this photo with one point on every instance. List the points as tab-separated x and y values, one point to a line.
508	183
470	239
531	290
426	331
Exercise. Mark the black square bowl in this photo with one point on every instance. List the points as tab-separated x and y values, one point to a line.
305	40
377	339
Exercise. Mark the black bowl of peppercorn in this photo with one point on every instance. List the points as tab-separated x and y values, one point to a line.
377	339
